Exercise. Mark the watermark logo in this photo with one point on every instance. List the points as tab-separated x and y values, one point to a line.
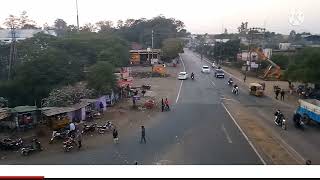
296	17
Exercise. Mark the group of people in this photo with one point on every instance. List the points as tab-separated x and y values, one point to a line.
165	105
281	92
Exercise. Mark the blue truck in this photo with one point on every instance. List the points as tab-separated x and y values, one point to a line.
309	108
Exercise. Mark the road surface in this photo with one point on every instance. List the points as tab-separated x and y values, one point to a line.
303	145
198	131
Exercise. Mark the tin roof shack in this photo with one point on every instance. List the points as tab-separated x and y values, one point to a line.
57	117
5	121
25	117
144	56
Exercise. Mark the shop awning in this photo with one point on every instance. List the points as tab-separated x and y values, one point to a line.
23	109
51	111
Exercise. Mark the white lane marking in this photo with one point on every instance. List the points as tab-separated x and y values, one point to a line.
184	69
245	136
226	133
213	83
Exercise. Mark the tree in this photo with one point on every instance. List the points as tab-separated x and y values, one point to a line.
101	77
88	28
171	48
60	26
305	66
281	60
105	26
11	22
25	22
120	24
67	95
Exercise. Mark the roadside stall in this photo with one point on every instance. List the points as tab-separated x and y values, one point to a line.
57	117
92	108
25	117
256	89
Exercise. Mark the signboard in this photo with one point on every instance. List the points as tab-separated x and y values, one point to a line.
254	65
135	57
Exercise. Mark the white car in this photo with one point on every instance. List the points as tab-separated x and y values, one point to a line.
183	76
205	69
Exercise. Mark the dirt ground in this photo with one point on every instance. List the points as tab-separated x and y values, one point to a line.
122	115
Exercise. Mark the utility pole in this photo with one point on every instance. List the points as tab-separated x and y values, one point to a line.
77	15
13	51
152	40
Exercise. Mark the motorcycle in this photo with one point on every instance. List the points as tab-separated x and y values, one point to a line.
235	91
62	134
192	76
89	128
9	144
36	147
280	121
230	83
107	127
68	144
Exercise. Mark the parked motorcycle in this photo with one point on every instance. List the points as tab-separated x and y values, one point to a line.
108	127
89	128
68	144
62	134
35	147
10	144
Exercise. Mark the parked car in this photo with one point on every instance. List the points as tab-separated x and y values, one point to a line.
205	69
219	73
183	76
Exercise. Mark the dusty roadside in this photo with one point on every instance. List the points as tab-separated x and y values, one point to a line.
271	150
122	115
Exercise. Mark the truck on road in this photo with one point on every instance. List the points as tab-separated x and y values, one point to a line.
309	108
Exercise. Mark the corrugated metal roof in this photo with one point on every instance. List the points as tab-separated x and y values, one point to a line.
21	109
50	111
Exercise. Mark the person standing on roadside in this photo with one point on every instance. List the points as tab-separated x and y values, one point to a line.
115	136
277	92
143	135
79	139
162	105
166	102
282	94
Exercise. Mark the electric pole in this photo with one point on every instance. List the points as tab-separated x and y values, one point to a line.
77	15
152	40
13	51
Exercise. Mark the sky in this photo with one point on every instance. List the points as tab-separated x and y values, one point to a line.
199	16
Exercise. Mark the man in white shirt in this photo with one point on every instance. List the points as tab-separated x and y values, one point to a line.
72	127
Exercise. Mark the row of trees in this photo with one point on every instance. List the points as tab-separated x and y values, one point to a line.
46	65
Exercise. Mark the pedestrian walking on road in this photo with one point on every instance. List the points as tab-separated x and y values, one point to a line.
115	136
162	105
277	93
244	78
143	135
282	94
166	102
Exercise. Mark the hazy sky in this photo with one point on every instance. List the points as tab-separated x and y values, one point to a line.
199	16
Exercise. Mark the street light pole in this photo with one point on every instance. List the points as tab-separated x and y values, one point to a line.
77	15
